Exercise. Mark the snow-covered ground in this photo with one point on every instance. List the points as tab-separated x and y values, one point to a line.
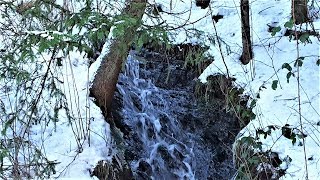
74	145
274	107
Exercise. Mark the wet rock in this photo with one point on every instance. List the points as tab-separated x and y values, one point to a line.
136	101
144	170
116	111
164	153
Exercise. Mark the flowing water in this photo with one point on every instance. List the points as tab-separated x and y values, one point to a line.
166	149
169	138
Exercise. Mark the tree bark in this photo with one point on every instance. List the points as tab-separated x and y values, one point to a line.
104	83
299	11
245	28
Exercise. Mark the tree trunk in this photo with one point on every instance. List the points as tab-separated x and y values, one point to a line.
299	11
245	28
104	83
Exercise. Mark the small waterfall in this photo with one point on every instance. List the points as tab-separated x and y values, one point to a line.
166	151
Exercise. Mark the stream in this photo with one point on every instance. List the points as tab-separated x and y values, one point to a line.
168	136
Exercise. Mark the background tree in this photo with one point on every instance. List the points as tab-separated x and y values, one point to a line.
245	28
299	11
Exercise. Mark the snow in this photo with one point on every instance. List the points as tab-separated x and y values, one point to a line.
60	140
274	107
77	144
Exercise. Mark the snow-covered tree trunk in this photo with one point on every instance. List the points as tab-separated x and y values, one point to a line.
299	11
245	28
105	80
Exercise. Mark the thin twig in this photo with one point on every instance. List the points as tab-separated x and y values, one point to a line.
219	44
299	93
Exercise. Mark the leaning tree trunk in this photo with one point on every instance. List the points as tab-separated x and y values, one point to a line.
104	83
299	11
245	28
